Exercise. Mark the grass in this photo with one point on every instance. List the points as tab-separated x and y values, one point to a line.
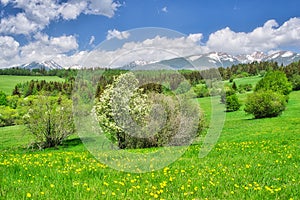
250	80
253	159
7	82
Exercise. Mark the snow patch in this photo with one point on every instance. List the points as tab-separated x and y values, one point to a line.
287	54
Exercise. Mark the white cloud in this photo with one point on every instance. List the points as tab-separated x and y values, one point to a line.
164	9
117	34
268	37
102	7
18	24
92	40
197	37
72	11
9	49
37	14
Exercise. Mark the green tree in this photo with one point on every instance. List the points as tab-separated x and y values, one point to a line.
232	103
264	104
3	100
234	86
275	81
295	80
50	120
201	90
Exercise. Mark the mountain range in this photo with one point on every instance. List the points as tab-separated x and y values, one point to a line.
201	61
215	59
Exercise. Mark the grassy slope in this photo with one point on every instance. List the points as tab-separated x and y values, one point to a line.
7	83
253	159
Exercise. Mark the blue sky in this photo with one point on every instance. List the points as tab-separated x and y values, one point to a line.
66	31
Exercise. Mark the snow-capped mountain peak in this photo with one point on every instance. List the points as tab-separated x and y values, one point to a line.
47	65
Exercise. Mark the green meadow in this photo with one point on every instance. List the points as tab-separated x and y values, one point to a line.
253	159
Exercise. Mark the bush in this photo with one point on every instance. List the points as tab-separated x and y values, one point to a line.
228	92
132	119
8	116
50	120
201	90
232	103
295	80
264	104
275	81
247	87
3	101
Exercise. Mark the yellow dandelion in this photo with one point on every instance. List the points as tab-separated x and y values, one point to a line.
28	195
52	185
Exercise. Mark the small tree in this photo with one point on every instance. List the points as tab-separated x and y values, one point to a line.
275	81
50	120
234	86
264	104
232	103
201	90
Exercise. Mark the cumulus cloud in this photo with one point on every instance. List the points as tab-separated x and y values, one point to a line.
18	24
64	50
268	37
37	14
117	34
42	48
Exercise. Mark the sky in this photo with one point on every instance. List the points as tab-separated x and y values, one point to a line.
87	32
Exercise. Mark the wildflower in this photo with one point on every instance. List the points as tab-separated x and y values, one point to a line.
28	195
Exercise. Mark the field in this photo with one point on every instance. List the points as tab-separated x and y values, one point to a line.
253	159
7	83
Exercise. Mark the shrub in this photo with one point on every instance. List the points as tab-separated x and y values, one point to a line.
201	90
132	119
228	92
3	101
232	103
50	120
295	80
245	87
8	116
234	86
264	104
275	81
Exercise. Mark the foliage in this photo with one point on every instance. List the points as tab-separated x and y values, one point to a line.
201	90
134	119
228	92
295	80
8	116
50	120
36	87
234	86
232	103
264	104
3	101
123	94
247	87
275	81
